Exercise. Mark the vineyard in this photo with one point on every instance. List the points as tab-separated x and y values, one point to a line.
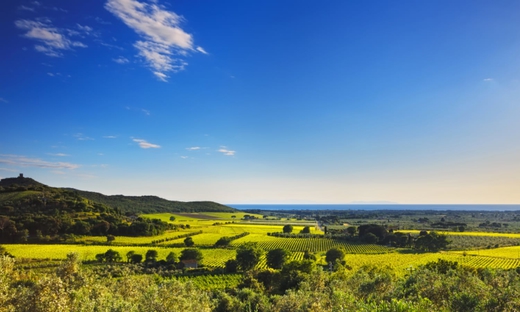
313	245
219	281
505	252
206	232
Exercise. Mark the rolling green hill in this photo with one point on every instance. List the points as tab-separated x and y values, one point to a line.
152	204
32	211
24	189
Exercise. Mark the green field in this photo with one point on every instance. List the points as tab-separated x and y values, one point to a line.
132	240
217	225
483	234
212	257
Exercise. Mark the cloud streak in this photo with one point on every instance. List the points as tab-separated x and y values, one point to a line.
52	41
144	144
81	137
121	60
22	161
163	42
226	151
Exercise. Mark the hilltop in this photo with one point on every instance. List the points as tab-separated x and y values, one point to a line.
23	188
30	210
152	204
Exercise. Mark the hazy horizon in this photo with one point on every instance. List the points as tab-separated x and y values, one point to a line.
264	101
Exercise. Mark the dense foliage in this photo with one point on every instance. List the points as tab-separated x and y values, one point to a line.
153	204
298	286
33	212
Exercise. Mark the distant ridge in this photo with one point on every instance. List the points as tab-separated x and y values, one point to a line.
34	212
25	188
381	202
151	204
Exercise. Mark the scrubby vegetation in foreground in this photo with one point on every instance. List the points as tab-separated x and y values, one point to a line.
297	286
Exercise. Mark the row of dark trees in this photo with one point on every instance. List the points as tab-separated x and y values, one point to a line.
151	256
426	241
226	240
377	234
40	228
289	228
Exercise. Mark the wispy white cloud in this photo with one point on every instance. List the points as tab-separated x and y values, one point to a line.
8	170
22	161
163	42
52	41
121	60
82	137
110	137
59	9
100	166
226	151
488	79
144	144
85	29
201	50
101	21
4	100
59	155
26	8
161	76
145	111
193	148
184	157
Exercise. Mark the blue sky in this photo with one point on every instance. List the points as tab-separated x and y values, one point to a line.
264	101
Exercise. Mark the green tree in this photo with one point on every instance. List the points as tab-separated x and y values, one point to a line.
431	241
351	230
375	229
172	258
188	241
191	254
3	251
110	238
248	255
112	256
370	238
151	255
307	255
231	266
276	258
136	258
294	273
334	254
287	228
129	255
223	241
306	230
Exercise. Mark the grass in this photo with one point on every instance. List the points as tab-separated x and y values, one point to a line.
8	196
132	240
488	234
504	252
357	254
504	258
212	257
